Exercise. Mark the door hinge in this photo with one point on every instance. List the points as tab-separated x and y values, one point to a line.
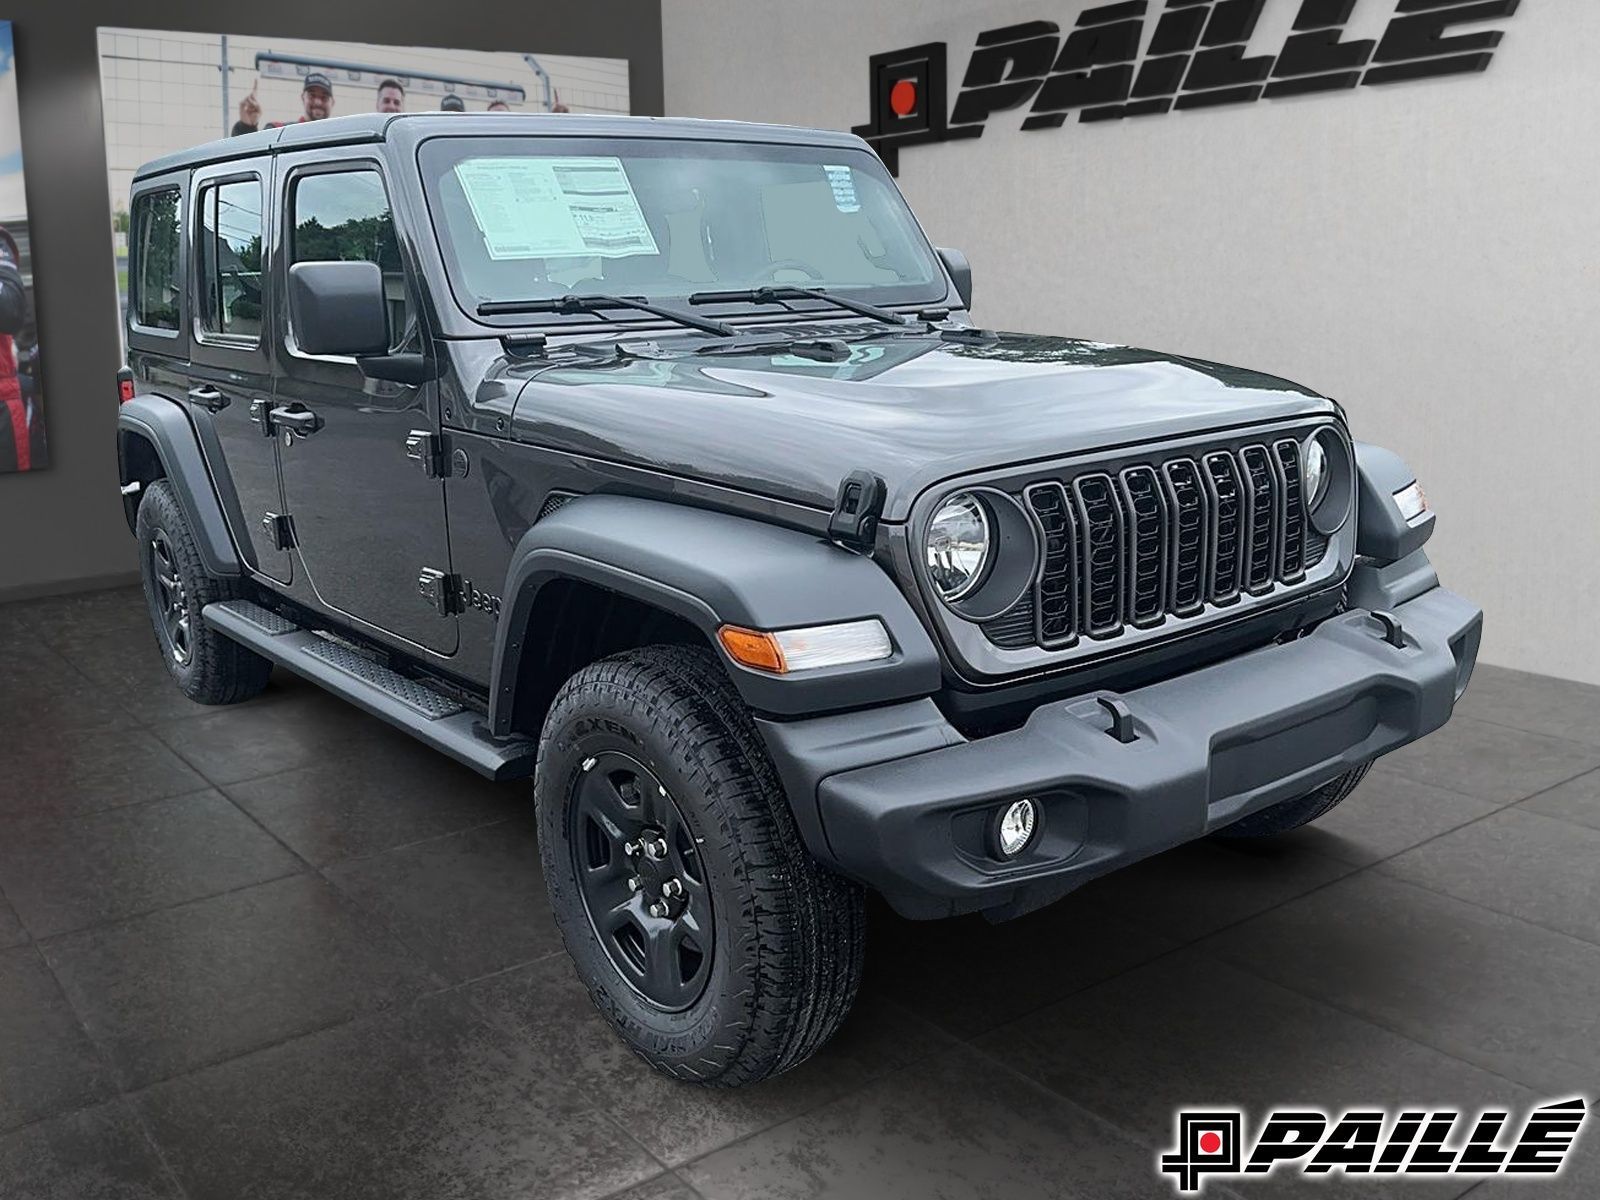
427	449
260	408
280	529
854	521
442	592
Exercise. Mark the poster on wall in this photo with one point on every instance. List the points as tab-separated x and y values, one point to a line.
22	440
164	91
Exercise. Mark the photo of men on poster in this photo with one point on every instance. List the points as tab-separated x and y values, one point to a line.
165	90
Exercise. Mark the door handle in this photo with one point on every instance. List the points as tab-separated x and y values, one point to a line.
208	398
301	420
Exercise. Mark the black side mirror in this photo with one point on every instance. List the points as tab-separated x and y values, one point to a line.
960	273
338	308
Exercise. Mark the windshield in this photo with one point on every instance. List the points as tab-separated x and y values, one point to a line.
532	218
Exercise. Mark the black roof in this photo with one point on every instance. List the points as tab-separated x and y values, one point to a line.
377	127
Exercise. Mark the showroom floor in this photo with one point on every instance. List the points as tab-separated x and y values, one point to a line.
279	950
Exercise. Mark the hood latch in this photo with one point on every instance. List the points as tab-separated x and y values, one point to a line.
853	524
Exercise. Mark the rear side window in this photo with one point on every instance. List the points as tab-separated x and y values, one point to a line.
154	284
344	215
229	274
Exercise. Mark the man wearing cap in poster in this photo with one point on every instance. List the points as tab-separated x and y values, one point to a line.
316	97
452	103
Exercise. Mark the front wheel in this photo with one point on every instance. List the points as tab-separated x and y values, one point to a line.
703	929
1302	810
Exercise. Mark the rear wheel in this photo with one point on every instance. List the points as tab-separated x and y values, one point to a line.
1302	810
703	929
206	666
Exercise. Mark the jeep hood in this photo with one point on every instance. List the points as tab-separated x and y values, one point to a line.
915	409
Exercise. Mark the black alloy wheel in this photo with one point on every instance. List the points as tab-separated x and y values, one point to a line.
171	601
642	881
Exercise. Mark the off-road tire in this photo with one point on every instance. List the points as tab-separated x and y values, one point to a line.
788	934
1302	810
215	670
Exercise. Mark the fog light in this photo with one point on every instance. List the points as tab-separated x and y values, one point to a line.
1014	830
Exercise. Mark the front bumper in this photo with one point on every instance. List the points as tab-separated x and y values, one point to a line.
1210	747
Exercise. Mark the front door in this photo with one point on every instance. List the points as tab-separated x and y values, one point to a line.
366	519
230	375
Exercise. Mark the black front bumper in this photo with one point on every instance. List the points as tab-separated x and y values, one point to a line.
1208	748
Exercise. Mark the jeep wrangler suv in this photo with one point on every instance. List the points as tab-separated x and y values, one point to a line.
660	462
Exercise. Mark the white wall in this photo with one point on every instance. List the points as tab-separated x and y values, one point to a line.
1427	253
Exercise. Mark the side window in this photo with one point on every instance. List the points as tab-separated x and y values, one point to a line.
229	274
344	215
154	283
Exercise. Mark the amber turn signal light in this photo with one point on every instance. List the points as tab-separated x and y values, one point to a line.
752	648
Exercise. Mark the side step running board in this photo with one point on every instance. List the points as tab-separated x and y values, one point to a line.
430	716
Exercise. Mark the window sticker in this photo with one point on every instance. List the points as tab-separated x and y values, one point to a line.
844	189
555	207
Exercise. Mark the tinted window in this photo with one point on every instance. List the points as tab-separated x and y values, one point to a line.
344	216
230	259
154	283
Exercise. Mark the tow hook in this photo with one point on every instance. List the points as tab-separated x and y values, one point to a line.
1393	632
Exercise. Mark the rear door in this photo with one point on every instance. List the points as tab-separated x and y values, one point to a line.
368	520
230	373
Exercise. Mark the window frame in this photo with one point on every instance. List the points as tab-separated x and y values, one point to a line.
206	337
288	194
136	203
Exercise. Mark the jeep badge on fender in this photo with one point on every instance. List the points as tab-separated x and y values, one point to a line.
658	467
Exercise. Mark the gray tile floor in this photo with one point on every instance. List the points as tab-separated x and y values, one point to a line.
279	950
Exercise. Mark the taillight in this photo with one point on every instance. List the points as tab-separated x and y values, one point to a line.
124	385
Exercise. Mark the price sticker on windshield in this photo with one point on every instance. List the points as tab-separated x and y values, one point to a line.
531	207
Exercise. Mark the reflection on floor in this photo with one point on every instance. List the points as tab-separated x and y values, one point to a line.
280	950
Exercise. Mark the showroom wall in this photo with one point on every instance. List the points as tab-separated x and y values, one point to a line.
62	528
1425	252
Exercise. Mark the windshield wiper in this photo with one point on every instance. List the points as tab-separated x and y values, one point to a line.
780	293
573	305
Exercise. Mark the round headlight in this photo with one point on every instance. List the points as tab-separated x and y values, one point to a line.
957	546
1316	470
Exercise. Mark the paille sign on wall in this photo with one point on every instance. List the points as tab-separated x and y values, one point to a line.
1196	58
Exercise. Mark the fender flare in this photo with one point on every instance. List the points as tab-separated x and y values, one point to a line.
1381	532
711	569
165	426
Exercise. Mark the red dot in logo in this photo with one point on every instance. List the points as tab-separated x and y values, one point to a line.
1210	1143
903	98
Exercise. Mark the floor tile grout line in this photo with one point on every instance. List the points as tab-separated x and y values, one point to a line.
1368	1019
349	1018
131	805
129	918
1360	1018
669	1173
1391	769
108	1067
127	1103
1588	943
424	841
1560	737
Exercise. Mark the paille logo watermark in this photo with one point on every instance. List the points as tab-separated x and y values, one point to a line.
1373	1143
1143	58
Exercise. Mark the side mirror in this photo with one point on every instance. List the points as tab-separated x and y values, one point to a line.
338	308
960	273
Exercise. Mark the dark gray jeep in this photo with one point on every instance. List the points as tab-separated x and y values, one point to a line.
659	461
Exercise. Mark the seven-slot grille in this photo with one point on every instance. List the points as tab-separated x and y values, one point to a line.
1165	539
